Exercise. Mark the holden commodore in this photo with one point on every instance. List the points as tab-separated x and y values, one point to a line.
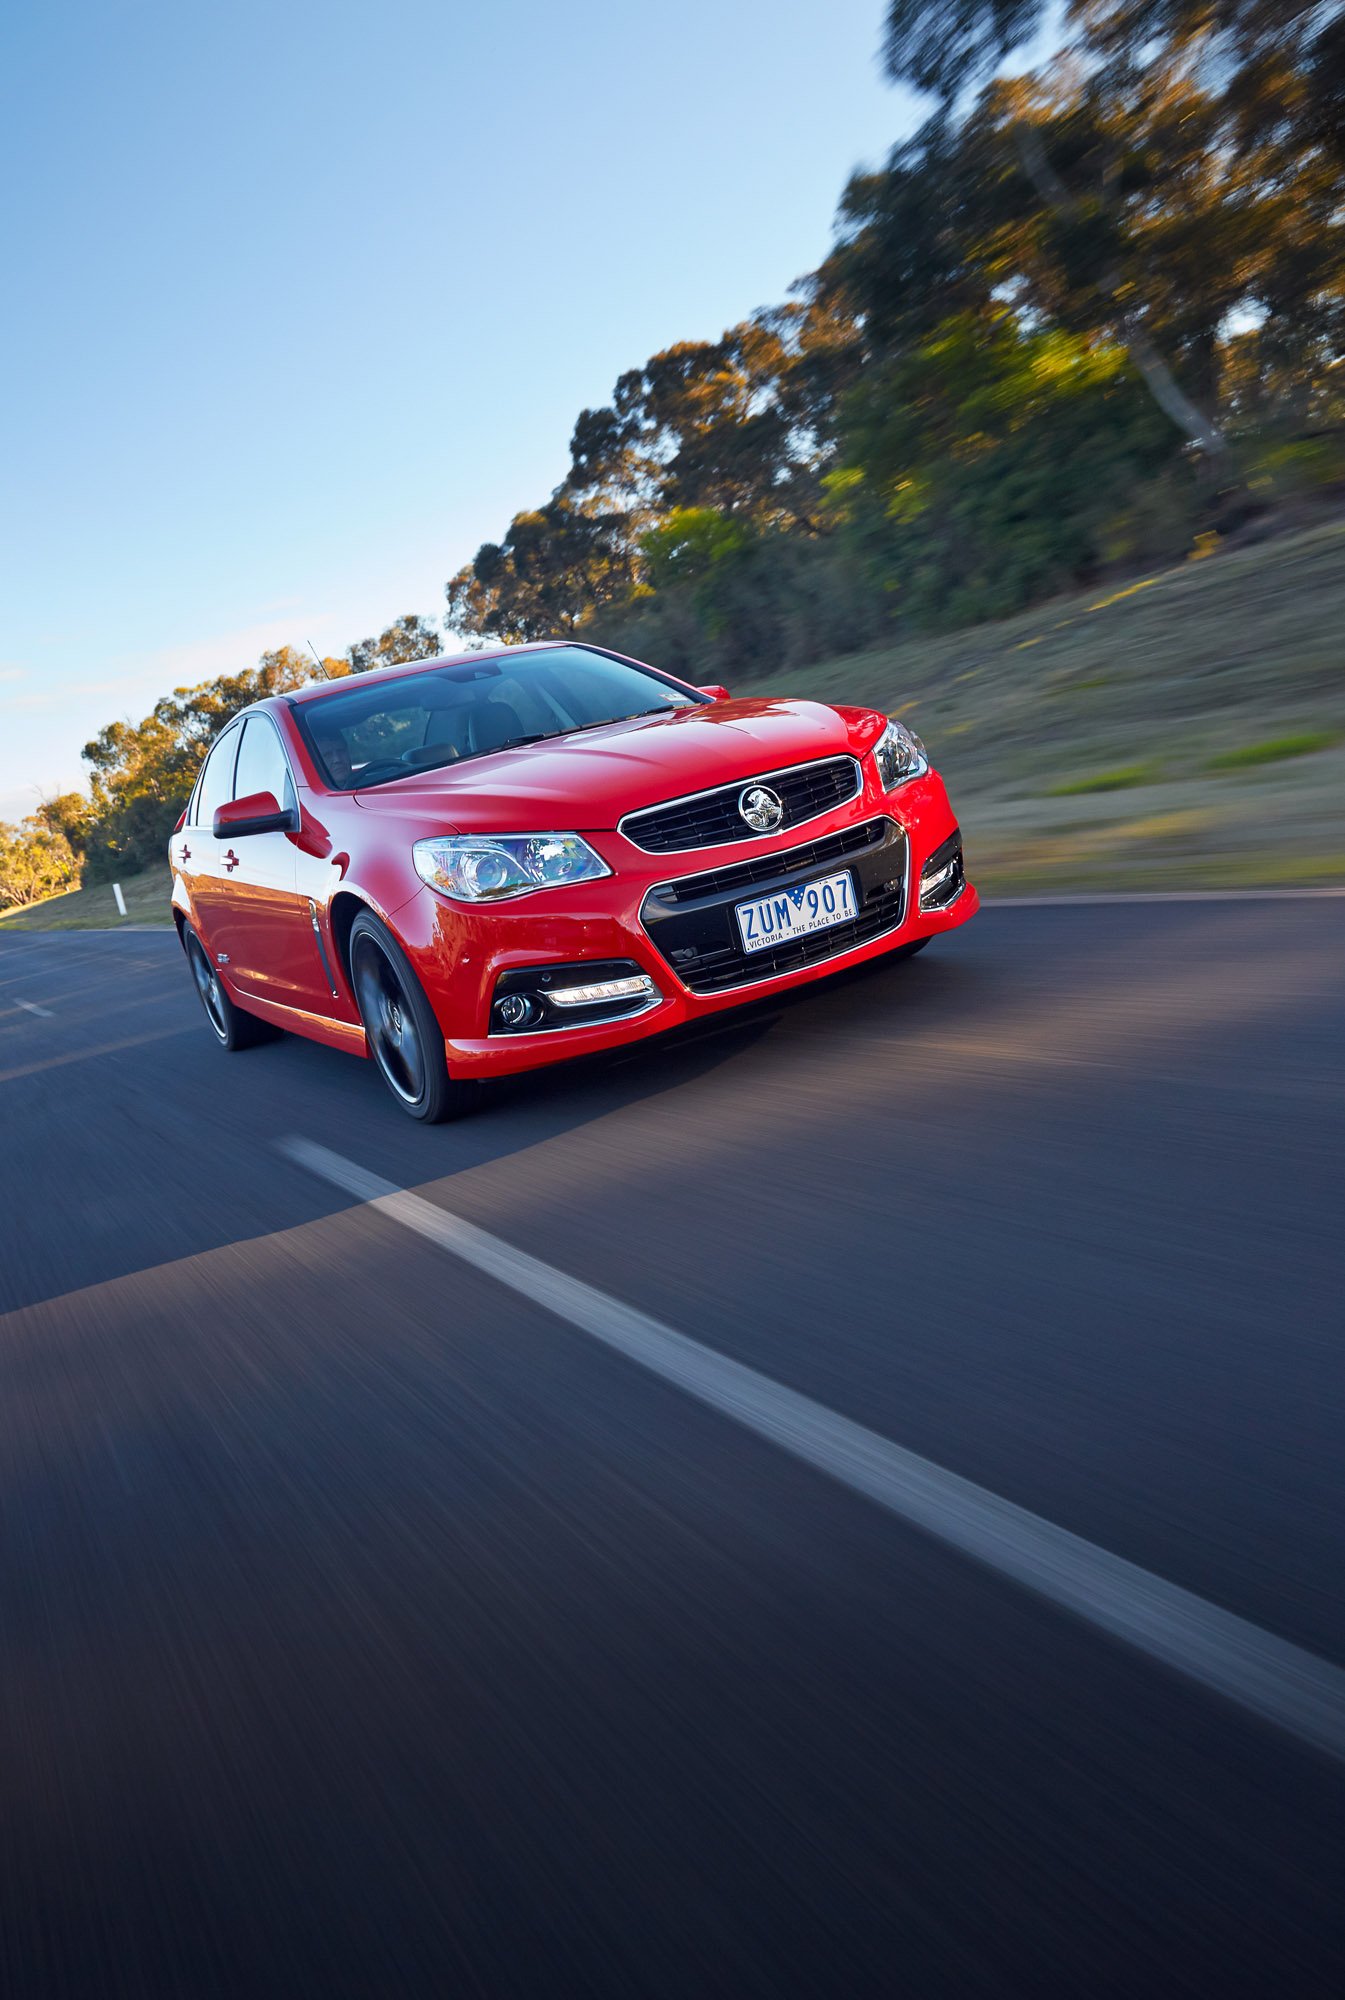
476	865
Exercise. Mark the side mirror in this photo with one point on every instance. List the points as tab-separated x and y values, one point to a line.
715	692
259	812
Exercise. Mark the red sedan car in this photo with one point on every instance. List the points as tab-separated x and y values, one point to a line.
476	865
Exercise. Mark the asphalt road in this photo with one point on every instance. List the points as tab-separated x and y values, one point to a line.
369	1629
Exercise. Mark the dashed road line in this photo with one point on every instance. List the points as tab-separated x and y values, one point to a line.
87	1055
31	1007
1274	1679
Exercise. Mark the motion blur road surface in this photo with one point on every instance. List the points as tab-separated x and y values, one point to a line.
369	1629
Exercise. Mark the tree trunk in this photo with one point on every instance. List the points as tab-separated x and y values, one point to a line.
1158	378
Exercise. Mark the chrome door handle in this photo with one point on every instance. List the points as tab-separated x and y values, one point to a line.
231	861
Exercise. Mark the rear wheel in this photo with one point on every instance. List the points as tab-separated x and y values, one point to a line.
405	1039
233	1028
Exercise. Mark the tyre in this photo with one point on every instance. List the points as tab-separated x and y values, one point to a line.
233	1028
405	1039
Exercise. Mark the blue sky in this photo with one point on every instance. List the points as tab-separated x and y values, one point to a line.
303	300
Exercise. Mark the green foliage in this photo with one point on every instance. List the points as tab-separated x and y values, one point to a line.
555	565
1121	780
36	861
1093	316
143	772
70	817
710	449
767	601
987	467
1273	751
941	46
406	639
689	545
1090	317
733	425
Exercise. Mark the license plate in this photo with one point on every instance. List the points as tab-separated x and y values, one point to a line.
795	913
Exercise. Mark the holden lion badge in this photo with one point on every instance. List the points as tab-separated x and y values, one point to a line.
761	808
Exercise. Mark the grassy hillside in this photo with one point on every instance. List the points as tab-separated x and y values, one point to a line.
1185	730
146	899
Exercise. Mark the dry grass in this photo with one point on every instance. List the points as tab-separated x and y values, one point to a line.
96	909
1138	738
1186	730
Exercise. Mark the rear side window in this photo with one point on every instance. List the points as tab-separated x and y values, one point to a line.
262	766
217	779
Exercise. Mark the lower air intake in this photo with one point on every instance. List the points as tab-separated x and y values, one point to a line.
692	922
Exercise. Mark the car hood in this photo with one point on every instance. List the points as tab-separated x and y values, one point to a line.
587	782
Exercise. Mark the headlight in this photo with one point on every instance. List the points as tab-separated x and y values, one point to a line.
488	867
899	755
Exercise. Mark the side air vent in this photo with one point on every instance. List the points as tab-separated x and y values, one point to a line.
943	877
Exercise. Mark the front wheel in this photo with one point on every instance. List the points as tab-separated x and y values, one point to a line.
233	1028
405	1039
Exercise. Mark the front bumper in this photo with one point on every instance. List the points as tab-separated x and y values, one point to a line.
672	916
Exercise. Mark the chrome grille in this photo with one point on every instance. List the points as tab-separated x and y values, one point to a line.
712	819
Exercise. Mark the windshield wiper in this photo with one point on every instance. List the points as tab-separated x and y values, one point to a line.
606	719
545	736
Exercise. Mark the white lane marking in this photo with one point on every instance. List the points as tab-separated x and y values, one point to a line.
31	1007
1273	1678
100	1049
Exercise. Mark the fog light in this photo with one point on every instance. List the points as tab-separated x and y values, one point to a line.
605	989
539	999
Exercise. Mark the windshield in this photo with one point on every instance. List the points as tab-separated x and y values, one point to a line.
420	722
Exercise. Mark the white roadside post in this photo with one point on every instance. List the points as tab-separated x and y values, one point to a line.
121	900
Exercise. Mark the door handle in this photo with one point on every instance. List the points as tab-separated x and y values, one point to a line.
185	854
231	861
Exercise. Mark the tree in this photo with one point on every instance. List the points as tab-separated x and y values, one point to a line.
945	46
1170	171
68	816
36	861
727	430
143	772
556	565
730	424
990	465
905	259
408	638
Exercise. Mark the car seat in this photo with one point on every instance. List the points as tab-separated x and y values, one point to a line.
490	724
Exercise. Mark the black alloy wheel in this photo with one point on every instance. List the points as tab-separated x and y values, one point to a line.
234	1028
405	1039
